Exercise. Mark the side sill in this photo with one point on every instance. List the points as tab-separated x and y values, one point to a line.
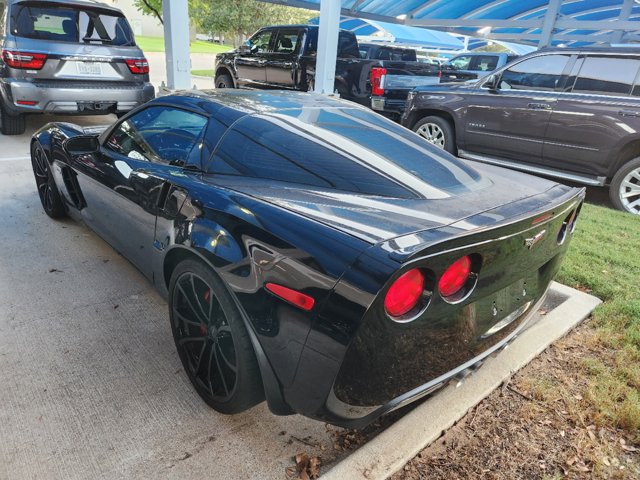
572	177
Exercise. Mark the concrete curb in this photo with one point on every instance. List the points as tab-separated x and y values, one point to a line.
392	449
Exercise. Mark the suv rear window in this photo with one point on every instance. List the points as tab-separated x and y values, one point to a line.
67	24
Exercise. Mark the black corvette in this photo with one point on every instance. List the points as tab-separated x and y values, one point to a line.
313	253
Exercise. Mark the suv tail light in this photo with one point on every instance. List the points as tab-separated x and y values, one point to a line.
138	66
455	277
405	293
377	80
24	60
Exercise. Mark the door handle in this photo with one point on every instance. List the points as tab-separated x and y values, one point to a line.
539	106
629	113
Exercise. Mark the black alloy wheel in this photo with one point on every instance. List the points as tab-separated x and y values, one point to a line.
47	190
212	341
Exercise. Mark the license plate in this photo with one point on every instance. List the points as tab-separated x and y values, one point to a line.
89	68
377	103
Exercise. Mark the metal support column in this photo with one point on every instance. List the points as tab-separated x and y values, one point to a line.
625	12
176	43
549	23
327	46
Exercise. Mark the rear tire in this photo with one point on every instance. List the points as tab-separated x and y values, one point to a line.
224	81
212	340
438	132
50	199
624	190
11	124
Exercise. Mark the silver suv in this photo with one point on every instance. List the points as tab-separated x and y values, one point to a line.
67	57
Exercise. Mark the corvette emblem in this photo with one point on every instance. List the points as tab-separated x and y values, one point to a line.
530	242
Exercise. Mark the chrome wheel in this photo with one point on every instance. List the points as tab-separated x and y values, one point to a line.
629	191
433	134
204	338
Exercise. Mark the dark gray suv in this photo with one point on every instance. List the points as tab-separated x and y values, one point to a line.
69	57
566	113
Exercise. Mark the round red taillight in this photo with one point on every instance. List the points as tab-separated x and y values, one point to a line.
455	277
405	293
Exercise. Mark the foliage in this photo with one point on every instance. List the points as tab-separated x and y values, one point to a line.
236	17
603	259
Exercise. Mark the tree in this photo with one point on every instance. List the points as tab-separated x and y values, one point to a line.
238	17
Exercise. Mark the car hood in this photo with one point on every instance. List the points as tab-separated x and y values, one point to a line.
375	218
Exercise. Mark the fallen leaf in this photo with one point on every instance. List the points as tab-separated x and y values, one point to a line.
626	447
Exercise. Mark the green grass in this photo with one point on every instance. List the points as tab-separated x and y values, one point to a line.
604	257
202	73
156	44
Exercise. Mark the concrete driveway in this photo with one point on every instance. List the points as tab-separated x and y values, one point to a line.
90	382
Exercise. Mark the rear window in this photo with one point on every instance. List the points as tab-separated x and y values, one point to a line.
607	75
484	63
74	25
396	54
343	150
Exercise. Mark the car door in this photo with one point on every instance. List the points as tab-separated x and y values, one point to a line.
510	121
282	64
594	116
251	62
123	182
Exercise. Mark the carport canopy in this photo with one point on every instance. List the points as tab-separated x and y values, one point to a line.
541	23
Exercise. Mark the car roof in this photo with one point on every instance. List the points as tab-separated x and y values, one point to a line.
74	3
612	50
248	102
384	45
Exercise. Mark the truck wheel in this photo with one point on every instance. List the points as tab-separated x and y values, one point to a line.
437	131
11	124
224	81
624	190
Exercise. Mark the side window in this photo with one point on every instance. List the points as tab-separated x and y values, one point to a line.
158	134
311	47
347	45
459	63
261	41
484	63
364	51
287	41
607	75
538	73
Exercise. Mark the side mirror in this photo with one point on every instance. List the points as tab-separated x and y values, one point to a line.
82	144
244	49
491	83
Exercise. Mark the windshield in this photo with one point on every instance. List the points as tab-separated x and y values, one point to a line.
70	24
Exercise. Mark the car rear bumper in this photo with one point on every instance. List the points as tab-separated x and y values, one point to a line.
75	97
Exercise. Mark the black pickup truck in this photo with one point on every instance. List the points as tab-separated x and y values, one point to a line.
285	57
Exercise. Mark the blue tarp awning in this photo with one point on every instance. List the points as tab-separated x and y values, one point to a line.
513	20
399	33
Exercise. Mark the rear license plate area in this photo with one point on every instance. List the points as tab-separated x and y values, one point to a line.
96	106
507	306
89	68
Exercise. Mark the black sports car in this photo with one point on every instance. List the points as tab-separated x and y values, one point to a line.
312	252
